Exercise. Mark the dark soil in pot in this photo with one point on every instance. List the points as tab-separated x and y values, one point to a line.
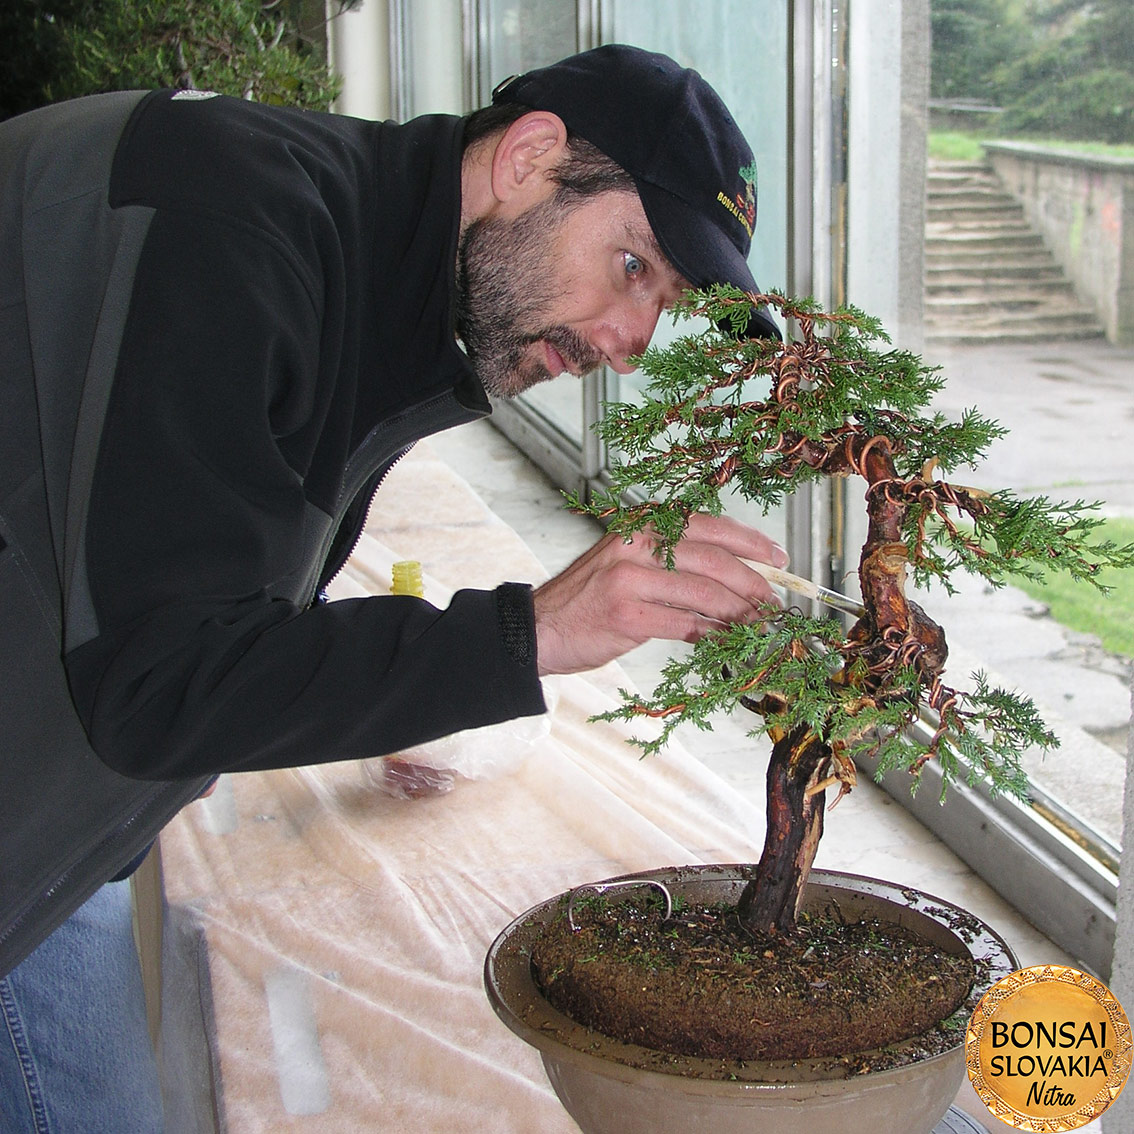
697	984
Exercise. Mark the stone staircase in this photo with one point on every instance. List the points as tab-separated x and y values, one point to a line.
988	275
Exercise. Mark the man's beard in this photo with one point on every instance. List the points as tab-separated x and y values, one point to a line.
505	275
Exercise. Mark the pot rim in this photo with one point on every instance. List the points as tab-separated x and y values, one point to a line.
521	1007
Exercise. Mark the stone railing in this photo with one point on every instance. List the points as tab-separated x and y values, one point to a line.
1083	205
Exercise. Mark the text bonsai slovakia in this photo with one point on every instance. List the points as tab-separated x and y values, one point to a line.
1020	1046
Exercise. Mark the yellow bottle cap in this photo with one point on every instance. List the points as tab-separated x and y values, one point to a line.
406	578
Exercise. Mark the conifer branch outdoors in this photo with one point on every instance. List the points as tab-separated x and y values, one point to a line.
761	418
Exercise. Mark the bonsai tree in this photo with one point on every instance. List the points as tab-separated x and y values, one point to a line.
762	418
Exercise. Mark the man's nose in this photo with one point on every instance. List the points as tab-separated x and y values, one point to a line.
627	337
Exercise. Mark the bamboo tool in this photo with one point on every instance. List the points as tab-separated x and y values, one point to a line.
807	589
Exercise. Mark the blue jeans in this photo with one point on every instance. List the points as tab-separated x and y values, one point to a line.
75	1051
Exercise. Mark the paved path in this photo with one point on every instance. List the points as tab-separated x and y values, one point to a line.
1070	409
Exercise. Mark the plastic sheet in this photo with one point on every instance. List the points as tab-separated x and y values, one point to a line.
338	933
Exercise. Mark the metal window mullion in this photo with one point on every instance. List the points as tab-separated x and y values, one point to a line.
473	28
589	23
399	50
815	131
801	171
593	454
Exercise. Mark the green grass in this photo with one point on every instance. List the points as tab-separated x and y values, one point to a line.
952	145
955	145
1080	606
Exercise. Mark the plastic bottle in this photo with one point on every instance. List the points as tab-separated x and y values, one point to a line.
405	578
480	753
398	774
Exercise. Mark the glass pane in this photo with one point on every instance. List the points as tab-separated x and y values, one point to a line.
1025	310
742	51
519	35
559	405
432	54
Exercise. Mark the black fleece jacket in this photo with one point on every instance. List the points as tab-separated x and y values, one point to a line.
289	333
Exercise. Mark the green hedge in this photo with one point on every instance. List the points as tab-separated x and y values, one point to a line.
268	51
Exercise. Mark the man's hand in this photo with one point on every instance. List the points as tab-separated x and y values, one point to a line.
618	595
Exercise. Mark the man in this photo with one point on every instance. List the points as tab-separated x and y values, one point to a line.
221	324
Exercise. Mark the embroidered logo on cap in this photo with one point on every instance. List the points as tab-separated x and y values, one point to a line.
743	205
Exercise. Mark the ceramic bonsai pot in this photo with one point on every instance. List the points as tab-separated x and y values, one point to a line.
611	1087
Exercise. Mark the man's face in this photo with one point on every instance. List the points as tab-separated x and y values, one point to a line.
560	289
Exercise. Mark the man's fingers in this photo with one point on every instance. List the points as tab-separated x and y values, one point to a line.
620	593
668	623
736	594
712	562
735	537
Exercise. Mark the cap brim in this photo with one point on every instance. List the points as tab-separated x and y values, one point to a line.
701	252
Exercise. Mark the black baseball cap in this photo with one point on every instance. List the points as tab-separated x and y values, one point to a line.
671	132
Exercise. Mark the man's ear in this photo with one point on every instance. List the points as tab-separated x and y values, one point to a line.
525	156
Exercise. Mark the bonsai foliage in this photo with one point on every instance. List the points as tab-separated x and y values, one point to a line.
762	418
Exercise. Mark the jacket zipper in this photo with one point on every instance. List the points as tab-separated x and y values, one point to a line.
324	582
114	838
391	439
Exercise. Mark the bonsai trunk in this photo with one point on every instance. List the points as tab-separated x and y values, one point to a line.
893	631
769	902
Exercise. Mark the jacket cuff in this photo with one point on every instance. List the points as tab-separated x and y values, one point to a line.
515	610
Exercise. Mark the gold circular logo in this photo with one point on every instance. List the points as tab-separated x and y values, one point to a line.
1048	1048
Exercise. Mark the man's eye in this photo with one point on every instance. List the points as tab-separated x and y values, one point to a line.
632	265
